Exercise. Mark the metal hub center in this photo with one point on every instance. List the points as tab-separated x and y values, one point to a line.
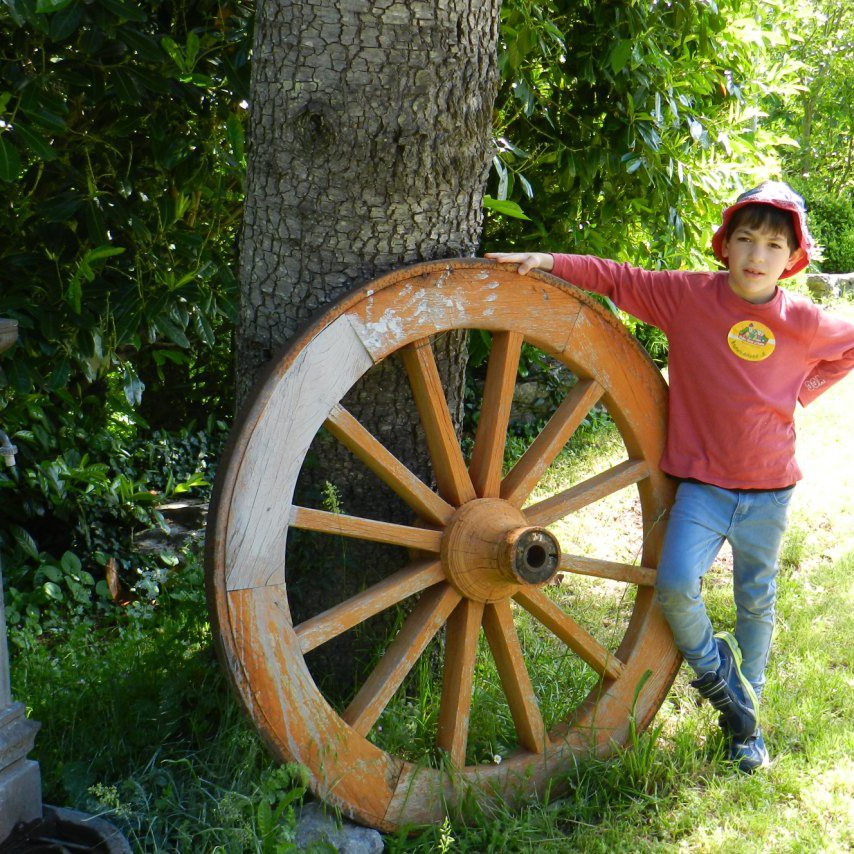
536	556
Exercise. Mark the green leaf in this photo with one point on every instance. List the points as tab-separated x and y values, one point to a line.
53	591
204	329
504	207
620	54
124	10
51	573
125	86
169	329
102	252
25	541
45	7
10	160
66	22
70	563
61	207
35	142
133	385
145	45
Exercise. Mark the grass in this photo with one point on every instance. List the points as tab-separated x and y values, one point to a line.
138	724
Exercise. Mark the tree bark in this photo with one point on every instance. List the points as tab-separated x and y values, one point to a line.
369	149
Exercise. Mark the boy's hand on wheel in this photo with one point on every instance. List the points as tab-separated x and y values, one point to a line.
526	261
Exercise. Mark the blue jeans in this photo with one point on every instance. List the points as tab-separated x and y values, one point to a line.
702	518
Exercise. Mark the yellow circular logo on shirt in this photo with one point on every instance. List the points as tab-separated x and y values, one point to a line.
751	340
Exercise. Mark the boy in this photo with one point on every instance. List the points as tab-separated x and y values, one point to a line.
742	352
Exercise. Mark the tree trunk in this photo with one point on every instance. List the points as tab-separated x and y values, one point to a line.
369	149
370	143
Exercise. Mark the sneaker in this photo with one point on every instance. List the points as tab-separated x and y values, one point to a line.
750	753
729	692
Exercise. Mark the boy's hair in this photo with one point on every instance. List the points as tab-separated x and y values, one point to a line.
764	218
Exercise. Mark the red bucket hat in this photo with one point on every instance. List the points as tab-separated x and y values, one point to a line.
778	195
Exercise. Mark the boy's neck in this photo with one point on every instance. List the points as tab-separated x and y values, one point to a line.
754	297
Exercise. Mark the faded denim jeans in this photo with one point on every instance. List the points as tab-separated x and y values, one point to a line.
702	518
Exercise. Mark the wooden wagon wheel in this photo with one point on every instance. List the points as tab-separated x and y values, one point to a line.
481	547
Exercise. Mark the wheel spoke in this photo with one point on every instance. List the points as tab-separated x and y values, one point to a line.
350	432
584	645
643	576
504	642
433	608
524	476
335	621
488	454
452	476
584	493
365	529
460	653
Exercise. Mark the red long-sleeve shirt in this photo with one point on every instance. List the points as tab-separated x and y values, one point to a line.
736	368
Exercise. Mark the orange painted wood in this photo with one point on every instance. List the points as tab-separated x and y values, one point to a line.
426	503
577	639
473	549
488	454
461	637
530	467
589	491
280	426
448	464
419	629
390	591
503	641
643	576
325	522
293	717
252	511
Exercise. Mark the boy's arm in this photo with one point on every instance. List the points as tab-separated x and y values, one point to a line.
833	344
652	297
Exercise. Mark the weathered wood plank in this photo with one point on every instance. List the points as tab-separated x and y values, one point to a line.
582	494
324	522
512	671
426	503
530	467
488	454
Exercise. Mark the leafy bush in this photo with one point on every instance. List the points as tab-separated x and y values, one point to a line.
80	492
121	165
622	128
831	221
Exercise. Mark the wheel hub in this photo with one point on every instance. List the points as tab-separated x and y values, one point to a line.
489	551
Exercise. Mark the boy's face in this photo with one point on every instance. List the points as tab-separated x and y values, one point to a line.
757	258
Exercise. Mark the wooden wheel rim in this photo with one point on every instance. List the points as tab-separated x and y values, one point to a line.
252	511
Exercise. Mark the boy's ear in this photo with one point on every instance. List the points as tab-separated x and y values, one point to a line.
794	258
725	248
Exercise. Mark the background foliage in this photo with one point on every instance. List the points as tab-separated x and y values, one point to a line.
622	127
121	161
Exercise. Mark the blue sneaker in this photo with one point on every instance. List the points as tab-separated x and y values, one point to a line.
729	691
750	753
